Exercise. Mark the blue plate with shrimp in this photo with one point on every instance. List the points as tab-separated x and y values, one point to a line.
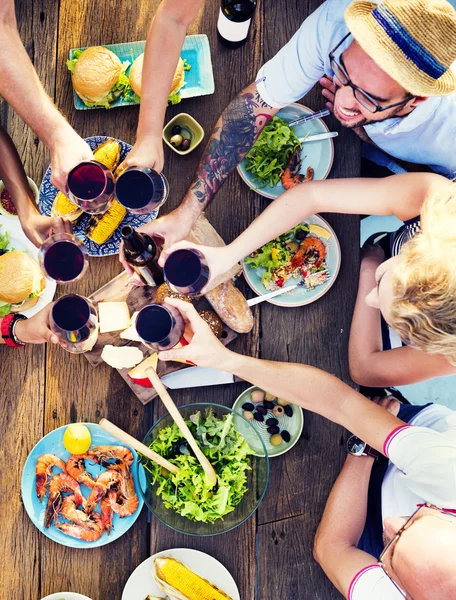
52	443
317	155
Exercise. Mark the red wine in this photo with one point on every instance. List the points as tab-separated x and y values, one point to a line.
140	189
63	261
234	21
71	313
87	181
141	252
186	271
154	323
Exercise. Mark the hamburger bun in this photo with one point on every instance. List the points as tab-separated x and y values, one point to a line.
136	75
164	291
214	322
95	73
20	276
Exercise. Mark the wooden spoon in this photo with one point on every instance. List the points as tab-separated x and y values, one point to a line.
126	438
178	419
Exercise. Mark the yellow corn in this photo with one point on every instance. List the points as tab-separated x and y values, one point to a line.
104	226
63	207
108	154
179	577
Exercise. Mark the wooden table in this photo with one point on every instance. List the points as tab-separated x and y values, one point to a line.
270	556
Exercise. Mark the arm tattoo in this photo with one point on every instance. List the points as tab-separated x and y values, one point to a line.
223	154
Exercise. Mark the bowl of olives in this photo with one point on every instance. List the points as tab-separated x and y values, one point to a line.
278	422
183	134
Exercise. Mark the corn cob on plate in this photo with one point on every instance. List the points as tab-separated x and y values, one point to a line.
200	576
100	234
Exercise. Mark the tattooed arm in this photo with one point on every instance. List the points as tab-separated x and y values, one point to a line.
233	136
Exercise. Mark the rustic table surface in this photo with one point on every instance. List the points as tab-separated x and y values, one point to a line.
270	556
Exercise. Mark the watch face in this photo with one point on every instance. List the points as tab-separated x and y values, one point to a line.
356	446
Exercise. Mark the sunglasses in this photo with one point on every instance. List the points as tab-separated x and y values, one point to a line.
392	543
360	95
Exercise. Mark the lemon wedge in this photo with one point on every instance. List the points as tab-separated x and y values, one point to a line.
77	438
320	231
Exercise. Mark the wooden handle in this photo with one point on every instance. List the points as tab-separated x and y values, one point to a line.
174	412
126	438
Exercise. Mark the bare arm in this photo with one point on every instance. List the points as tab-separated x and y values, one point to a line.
369	364
342	524
163	48
21	88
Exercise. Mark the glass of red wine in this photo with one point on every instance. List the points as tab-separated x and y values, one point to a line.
90	185
63	258
160	326
141	191
186	271
74	320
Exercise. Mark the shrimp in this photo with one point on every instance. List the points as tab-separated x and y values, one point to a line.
78	517
291	175
43	470
112	457
125	503
59	484
106	514
83	533
105	483
75	467
311	249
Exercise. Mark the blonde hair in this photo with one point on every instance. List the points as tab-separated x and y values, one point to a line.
423	310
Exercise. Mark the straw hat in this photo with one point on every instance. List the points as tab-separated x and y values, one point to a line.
413	41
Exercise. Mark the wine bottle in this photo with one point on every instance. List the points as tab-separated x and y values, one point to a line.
234	21
141	253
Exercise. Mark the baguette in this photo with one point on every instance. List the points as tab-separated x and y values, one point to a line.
231	306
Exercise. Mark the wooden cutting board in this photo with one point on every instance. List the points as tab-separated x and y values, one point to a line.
120	290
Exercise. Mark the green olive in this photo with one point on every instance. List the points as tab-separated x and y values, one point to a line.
276	439
176	140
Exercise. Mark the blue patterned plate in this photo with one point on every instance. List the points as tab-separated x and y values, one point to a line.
52	443
48	193
199	80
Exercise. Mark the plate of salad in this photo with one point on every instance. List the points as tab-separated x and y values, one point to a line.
186	501
278	155
12	237
307	257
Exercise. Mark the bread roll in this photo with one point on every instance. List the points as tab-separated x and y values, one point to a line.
231	306
95	73
135	75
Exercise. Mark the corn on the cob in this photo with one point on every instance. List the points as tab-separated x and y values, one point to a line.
63	207
101	228
108	154
180	582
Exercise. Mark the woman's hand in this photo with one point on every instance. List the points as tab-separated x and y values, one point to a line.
146	153
36	330
204	349
68	150
38	227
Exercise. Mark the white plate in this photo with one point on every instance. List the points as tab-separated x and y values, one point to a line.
141	582
19	241
66	596
36	195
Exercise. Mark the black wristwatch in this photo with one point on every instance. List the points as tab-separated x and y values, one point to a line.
357	447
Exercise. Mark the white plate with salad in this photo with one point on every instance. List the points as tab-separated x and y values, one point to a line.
263	166
12	237
308	255
141	584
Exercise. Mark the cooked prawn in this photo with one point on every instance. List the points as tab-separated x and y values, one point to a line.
311	249
106	514
43	471
83	533
104	484
59	484
79	517
126	502
75	466
112	457
291	175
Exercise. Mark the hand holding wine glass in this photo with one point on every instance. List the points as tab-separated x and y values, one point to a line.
36	330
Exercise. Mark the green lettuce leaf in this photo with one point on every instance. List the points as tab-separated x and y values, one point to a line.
5	309
187	65
71	63
174	98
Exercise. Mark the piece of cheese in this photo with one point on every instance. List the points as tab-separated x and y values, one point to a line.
131	333
113	316
122	357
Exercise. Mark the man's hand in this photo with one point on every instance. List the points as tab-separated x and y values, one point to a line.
204	349
172	228
36	330
38	227
146	153
328	91
67	151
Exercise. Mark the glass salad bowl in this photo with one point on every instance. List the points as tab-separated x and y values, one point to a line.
185	502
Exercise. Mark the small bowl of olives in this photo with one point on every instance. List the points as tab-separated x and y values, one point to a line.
278	422
183	134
